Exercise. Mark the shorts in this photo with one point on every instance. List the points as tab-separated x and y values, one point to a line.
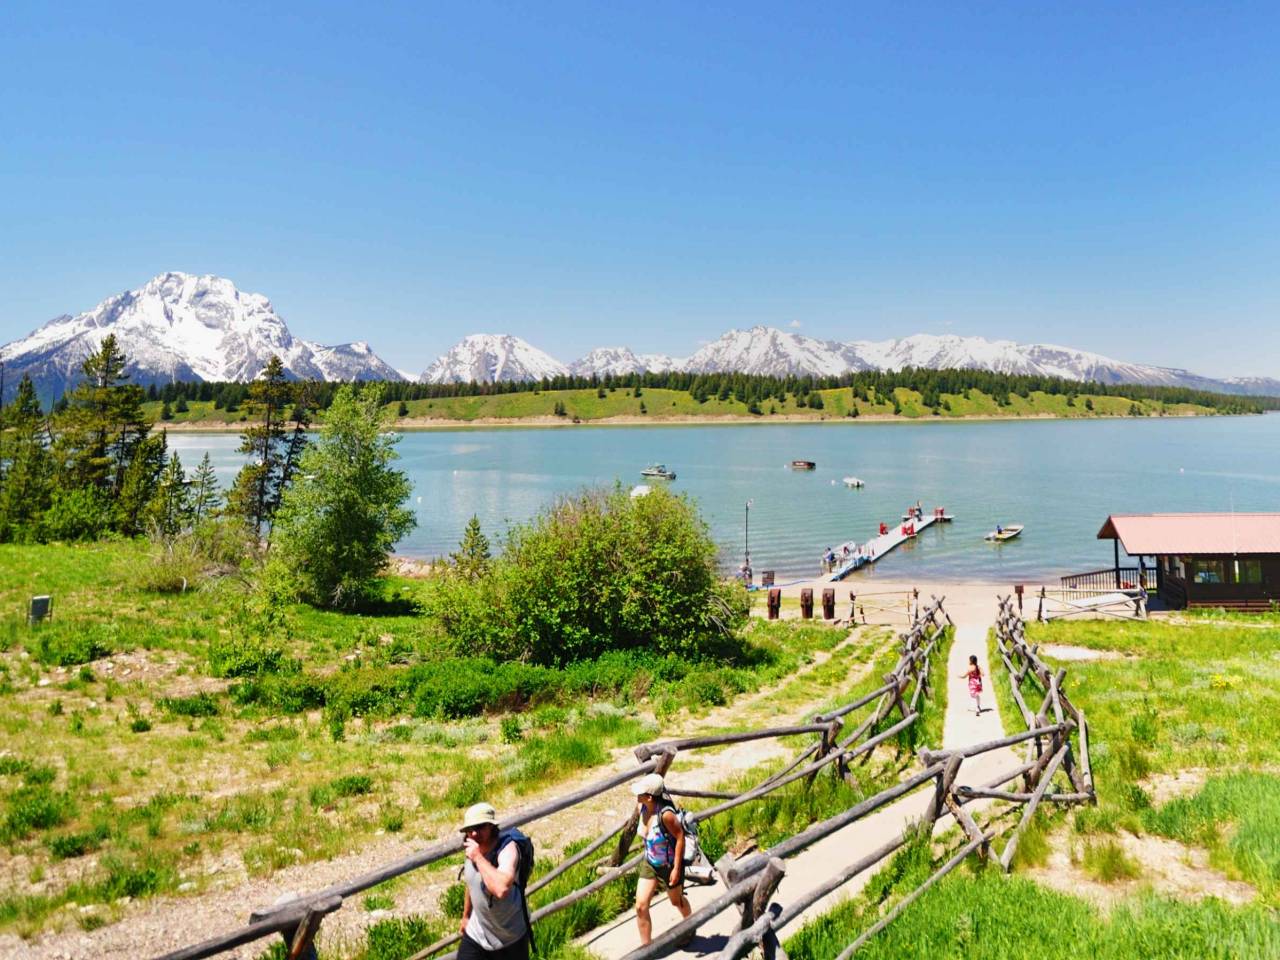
468	949
649	872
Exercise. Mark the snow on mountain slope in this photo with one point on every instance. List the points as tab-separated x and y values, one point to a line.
772	352
621	361
489	358
179	326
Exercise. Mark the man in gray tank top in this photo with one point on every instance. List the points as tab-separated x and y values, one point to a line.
495	922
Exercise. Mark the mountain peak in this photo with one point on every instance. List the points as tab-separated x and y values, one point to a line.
490	358
182	326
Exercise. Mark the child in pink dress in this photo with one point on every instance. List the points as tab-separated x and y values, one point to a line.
974	676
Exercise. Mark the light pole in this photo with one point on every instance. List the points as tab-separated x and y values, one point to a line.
746	538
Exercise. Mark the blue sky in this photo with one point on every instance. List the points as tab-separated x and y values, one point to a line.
1105	176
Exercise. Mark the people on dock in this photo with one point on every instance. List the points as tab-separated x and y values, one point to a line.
663	865
974	676
884	528
495	915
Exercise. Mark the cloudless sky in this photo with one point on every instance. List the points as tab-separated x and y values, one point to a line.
1105	176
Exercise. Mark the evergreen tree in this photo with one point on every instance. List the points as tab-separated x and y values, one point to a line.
171	509
815	400
402	409
181	405
166	411
102	427
139	484
205	496
257	488
473	558
26	463
303	408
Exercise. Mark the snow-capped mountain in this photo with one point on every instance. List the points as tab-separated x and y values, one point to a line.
770	352
489	358
620	361
183	327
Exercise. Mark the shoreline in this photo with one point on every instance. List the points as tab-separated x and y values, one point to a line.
424	424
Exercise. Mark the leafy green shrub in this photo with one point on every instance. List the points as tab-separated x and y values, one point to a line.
451	901
140	725
243	655
511	730
1107	862
600	571
34	808
272	734
397	938
68	647
466	790
70	845
76	513
196	705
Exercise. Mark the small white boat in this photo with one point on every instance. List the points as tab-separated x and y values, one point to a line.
658	471
853	482
1001	534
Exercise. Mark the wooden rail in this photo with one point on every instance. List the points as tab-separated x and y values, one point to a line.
299	919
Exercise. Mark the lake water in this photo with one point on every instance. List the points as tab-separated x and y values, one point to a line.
1059	477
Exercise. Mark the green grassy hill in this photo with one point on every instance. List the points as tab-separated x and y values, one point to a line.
586	405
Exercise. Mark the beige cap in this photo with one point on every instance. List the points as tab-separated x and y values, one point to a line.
478	815
651	784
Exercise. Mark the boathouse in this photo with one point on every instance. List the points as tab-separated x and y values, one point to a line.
1201	559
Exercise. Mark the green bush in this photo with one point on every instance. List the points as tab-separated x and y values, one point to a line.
598	572
451	901
78	513
241	655
60	646
34	808
196	705
70	845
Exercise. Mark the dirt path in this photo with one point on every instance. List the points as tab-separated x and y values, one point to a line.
156	925
825	858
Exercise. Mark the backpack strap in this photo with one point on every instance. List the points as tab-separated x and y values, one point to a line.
523	871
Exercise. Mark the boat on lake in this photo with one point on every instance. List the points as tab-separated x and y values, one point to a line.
803	465
658	471
1001	534
853	483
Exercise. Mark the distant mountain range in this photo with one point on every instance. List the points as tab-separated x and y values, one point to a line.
184	327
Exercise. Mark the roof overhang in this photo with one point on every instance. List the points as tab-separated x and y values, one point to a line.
1194	533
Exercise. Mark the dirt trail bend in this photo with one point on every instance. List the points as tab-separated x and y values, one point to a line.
973	615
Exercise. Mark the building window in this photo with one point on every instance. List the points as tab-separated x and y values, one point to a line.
1207	571
1248	571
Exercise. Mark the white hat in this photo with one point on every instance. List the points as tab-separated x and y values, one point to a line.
651	784
478	815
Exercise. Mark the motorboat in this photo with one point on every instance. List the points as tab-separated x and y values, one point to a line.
853	482
1002	534
658	471
803	465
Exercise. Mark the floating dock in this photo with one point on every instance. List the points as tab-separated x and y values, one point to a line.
863	555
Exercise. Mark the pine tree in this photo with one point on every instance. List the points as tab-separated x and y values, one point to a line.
257	487
181	405
26	463
171	509
102	426
139	484
205	496
303	408
472	560
166	411
402	409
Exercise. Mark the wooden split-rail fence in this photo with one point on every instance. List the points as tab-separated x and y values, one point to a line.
751	881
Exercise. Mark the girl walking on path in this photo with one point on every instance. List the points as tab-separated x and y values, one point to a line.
663	865
974	676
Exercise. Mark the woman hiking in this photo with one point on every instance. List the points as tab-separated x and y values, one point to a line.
663	865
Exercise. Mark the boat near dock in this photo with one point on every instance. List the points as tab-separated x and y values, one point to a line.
1002	534
853	483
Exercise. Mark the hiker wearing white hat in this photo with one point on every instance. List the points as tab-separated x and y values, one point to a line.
663	865
495	915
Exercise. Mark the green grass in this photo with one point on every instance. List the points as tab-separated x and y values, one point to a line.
660	404
183	728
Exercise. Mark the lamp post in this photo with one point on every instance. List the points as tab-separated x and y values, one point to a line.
746	538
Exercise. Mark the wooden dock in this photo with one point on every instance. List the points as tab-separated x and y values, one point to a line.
876	548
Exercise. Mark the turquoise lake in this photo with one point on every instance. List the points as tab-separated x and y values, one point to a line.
1059	477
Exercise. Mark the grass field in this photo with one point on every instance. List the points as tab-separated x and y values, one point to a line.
659	404
148	738
1183	737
